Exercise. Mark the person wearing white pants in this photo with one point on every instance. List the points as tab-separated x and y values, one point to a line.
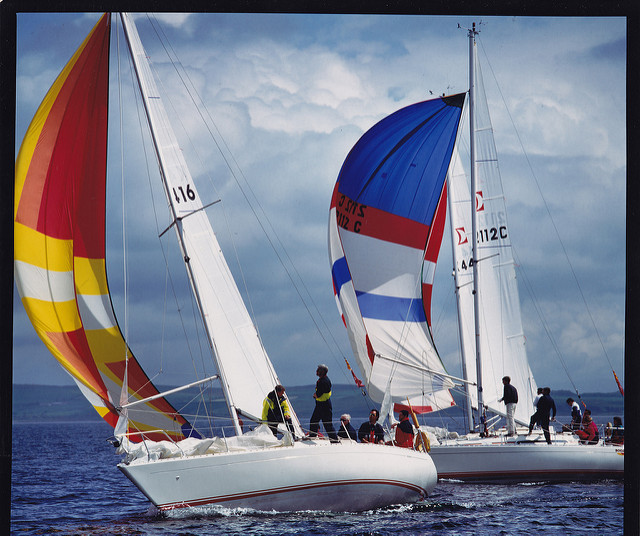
510	397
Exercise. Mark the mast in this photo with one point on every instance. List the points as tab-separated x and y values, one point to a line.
164	141
465	375
474	220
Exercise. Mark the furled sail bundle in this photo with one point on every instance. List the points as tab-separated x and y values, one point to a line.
385	229
59	227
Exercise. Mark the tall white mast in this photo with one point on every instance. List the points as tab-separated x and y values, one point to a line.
164	143
474	218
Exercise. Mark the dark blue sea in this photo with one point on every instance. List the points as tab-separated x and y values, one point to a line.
65	482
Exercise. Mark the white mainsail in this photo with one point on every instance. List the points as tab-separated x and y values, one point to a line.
246	371
502	339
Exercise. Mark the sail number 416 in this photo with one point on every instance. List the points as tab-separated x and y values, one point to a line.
181	194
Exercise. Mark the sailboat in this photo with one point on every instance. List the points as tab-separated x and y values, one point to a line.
386	224
60	272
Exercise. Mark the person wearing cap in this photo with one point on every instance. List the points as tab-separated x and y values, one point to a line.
323	410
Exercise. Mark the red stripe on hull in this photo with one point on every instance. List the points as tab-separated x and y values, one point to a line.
288	489
579	474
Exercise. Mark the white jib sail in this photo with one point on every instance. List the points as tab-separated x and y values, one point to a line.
245	369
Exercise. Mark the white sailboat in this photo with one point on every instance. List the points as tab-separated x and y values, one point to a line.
390	176
59	226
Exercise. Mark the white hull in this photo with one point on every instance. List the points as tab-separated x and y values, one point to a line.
309	475
523	458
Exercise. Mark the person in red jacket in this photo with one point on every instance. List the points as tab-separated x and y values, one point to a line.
404	431
589	433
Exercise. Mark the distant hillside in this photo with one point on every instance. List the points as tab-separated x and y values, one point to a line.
38	403
50	403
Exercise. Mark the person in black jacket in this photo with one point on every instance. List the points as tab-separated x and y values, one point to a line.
535	417
510	397
370	431
346	430
545	406
323	410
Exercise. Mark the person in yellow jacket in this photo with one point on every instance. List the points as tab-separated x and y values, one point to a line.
275	409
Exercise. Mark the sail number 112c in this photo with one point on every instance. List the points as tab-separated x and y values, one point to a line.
493	233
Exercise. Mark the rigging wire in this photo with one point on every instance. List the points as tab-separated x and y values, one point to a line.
174	63
168	277
545	326
124	393
548	210
254	204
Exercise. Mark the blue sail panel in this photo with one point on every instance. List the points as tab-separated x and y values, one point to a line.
390	307
400	164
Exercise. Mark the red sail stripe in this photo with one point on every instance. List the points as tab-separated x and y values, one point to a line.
42	205
376	223
139	383
73	345
433	248
437	228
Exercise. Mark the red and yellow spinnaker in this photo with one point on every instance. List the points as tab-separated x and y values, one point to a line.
59	231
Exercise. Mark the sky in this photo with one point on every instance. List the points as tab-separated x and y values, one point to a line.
286	97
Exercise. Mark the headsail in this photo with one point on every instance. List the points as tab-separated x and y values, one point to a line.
502	339
245	368
385	229
59	227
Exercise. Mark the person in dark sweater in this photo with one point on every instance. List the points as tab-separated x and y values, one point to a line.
510	397
370	431
323	410
346	430
546	405
534	418
576	416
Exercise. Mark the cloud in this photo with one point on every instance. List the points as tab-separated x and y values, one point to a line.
291	94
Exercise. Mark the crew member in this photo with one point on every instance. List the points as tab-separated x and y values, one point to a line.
404	430
323	410
275	409
510	397
370	431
